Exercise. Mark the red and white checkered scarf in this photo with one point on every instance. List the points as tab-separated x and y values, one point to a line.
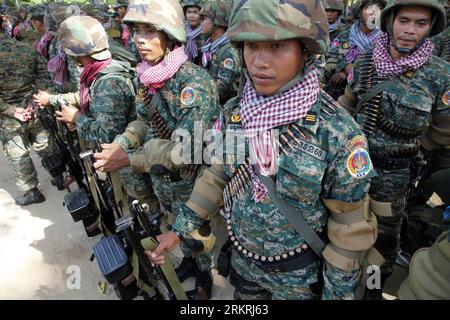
386	67
58	66
155	77
260	114
43	44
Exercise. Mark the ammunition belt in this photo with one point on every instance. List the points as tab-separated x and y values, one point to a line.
162	131
369	115
241	180
446	52
402	134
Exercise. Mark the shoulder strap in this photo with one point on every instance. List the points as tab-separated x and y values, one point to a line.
294	217
165	106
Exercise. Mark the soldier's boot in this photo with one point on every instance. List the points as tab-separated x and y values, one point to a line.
32	196
203	286
59	182
186	269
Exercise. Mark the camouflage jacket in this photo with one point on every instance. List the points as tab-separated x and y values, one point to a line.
442	44
225	70
112	105
335	56
417	101
20	68
318	170
192	100
74	71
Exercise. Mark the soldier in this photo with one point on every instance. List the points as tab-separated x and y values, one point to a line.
194	29
21	68
429	276
182	95
37	21
350	43
107	102
333	9
222	60
322	176
442	40
399	90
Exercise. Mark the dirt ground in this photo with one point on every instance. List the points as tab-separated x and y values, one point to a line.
42	250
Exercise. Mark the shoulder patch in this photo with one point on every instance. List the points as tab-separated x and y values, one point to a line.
446	98
188	96
228	63
358	141
358	163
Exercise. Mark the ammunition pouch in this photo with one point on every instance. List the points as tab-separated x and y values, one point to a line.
112	259
78	205
54	165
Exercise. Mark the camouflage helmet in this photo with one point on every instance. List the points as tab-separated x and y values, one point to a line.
387	15
84	36
164	15
218	11
358	7
191	3
269	20
120	3
337	5
55	13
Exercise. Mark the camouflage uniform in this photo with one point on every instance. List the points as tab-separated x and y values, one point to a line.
112	102
314	177
54	15
442	44
336	56
403	110
190	98
336	5
201	39
225	66
20	68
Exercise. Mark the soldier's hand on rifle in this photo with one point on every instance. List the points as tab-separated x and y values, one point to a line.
42	99
68	114
167	241
22	114
72	126
112	158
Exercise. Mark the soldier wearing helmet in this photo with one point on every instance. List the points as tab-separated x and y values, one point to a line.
176	95
350	43
222	60
442	40
398	104
194	30
334	9
313	179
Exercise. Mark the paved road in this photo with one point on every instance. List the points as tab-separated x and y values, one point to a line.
41	249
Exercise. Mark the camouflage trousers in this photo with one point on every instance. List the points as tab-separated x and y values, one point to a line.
390	186
300	284
16	146
172	195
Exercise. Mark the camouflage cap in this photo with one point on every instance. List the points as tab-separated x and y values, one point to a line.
256	20
218	11
164	15
337	5
84	36
57	12
387	15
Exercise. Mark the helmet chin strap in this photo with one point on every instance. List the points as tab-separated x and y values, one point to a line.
408	51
